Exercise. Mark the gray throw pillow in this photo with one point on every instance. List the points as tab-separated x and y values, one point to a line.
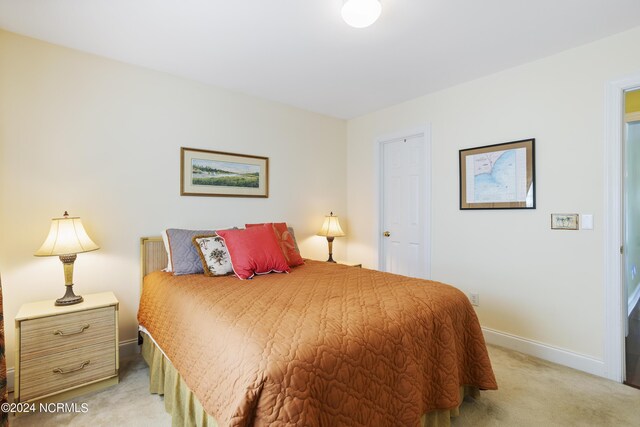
184	256
295	242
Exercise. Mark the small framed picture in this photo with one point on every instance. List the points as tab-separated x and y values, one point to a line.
564	221
220	174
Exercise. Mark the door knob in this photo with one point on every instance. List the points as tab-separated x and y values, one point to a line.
387	234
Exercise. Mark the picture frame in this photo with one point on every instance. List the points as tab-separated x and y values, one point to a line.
222	174
498	176
565	221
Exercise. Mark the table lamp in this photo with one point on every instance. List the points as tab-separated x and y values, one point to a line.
330	229
66	239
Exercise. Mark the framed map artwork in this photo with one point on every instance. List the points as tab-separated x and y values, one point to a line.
500	176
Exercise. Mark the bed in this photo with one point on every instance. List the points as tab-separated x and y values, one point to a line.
326	344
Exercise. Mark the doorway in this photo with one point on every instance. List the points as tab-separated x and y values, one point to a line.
404	191
615	291
631	235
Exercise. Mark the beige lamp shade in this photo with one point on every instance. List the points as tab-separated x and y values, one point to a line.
66	236
331	227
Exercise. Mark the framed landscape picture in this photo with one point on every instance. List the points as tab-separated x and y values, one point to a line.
500	176
220	174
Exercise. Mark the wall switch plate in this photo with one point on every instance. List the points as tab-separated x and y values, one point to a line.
587	221
474	298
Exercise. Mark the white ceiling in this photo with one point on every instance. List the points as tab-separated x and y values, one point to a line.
301	53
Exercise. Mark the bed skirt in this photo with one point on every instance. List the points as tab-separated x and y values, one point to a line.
186	410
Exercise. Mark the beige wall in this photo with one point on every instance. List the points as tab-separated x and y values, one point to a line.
535	283
102	140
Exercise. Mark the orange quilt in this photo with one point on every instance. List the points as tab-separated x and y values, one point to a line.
324	345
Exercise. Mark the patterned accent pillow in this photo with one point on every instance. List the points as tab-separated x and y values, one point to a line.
213	254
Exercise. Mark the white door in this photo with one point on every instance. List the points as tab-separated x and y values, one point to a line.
405	216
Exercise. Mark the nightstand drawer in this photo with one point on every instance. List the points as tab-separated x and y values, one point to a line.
62	370
64	332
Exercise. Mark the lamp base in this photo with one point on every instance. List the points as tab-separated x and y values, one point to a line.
330	241
69	297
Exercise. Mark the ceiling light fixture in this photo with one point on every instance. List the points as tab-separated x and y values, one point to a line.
361	13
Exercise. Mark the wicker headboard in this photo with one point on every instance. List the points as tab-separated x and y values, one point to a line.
153	256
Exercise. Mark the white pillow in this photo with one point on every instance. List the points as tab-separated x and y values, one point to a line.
165	239
214	255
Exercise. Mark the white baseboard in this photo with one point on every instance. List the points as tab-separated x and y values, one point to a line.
545	351
127	348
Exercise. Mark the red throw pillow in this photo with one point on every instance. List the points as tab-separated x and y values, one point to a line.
285	240
254	251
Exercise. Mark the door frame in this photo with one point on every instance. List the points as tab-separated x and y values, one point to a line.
425	132
614	292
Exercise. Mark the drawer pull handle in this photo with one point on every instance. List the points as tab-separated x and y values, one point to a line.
62	334
62	371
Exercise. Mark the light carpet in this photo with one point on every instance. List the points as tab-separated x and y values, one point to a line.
532	392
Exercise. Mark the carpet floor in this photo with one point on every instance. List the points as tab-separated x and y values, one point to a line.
532	392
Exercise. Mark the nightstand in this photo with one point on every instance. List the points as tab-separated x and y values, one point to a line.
351	265
65	351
